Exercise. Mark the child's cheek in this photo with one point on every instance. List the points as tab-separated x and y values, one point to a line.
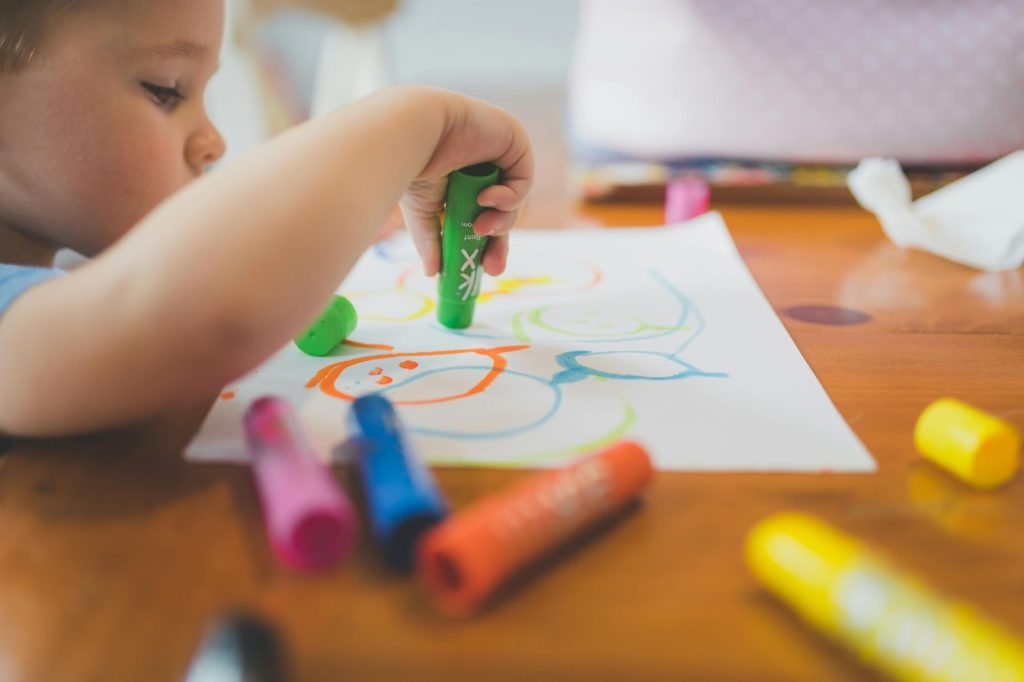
132	175
148	169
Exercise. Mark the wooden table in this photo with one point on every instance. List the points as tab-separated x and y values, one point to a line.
115	553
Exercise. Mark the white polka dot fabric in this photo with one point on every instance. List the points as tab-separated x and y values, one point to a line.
830	81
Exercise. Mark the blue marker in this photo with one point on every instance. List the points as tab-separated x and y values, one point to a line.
402	499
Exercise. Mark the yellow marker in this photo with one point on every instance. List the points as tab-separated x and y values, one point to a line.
890	620
975	446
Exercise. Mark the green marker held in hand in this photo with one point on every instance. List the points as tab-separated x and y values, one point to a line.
333	326
461	248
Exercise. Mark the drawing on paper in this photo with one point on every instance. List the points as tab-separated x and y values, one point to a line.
606	343
576	346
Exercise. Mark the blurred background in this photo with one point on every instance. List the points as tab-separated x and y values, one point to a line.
465	45
287	60
763	100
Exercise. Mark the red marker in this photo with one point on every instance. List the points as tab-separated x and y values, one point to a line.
465	559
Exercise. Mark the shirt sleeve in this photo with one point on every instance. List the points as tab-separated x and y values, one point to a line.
17	279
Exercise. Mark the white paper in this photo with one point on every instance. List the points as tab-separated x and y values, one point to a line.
655	334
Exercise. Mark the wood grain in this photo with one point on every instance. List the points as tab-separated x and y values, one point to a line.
115	554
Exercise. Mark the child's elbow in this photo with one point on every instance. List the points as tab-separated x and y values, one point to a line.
224	346
19	419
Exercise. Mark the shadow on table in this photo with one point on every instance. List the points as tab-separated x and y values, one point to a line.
127	472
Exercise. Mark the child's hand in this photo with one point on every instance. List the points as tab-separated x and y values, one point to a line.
474	132
265	240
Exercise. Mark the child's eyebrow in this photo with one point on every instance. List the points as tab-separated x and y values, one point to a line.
180	48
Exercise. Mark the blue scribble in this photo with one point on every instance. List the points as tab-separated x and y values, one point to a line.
573	370
461	435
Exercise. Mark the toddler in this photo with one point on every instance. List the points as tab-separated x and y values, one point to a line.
195	277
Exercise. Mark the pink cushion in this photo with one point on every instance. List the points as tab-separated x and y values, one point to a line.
801	80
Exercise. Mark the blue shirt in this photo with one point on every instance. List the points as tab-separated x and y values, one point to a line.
17	279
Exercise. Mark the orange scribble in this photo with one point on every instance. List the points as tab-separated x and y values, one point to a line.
328	375
374	346
376	371
408	364
384	380
404	277
227	395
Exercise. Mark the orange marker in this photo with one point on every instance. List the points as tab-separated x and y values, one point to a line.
464	560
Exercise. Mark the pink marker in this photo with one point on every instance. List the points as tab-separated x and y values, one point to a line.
309	519
686	197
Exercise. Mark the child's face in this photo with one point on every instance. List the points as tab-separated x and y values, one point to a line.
109	119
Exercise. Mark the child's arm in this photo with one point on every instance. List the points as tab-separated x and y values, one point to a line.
222	274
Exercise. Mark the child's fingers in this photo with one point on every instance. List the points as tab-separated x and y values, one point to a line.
425	230
506	200
495	223
419	206
496	255
517	170
500	197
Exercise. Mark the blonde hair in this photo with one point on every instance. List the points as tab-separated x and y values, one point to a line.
23	24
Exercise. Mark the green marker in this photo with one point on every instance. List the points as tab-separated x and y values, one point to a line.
327	332
461	248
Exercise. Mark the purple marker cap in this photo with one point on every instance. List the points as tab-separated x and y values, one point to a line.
310	521
686	197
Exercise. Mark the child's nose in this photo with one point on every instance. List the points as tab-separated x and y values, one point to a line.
204	148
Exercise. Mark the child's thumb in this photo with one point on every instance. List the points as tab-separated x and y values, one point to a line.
420	206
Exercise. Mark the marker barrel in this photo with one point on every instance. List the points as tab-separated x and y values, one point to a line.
330	329
402	498
309	519
240	648
686	197
461	248
979	448
890	620
463	561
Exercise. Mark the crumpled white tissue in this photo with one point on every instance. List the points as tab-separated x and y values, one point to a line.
977	221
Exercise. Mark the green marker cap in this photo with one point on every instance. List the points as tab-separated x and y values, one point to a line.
461	248
327	332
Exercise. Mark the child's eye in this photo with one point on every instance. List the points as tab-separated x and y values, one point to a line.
163	96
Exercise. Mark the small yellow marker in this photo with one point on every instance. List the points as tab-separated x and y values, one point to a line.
889	619
978	448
